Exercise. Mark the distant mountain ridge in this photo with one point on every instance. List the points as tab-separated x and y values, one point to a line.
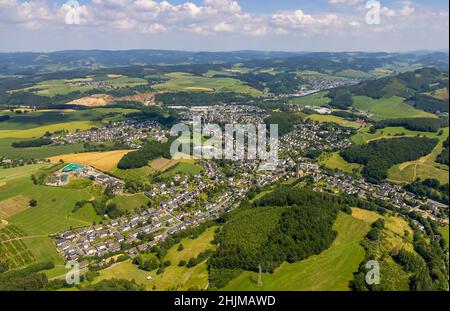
22	62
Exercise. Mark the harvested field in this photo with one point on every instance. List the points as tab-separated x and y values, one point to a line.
13	206
104	161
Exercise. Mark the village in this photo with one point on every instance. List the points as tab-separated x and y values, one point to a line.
127	132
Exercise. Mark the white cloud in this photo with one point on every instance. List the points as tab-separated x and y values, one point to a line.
344	2
216	18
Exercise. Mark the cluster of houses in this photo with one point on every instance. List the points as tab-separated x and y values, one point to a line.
127	132
225	114
311	135
103	240
123	234
391	193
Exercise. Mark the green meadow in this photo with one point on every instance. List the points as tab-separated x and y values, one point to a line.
331	270
181	81
388	108
335	161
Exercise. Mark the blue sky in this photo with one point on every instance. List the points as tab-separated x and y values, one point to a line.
291	25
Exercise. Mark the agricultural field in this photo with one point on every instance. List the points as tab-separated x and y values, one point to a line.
316	99
41	130
423	168
38	118
62	87
181	81
330	270
6	150
335	119
173	277
12	246
162	164
335	161
388	108
103	161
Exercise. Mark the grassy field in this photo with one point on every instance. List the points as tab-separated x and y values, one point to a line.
174	277
316	99
20	171
423	168
41	130
330	270
388	108
181	81
334	119
135	174
130	202
184	168
104	161
335	161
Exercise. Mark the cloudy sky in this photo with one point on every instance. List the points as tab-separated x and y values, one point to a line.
223	25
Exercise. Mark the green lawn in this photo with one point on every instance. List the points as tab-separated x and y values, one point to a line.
316	99
130	202
388	108
335	161
181	81
330	270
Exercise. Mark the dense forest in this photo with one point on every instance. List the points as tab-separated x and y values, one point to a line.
443	156
414	124
340	98
32	143
379	155
139	158
286	121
